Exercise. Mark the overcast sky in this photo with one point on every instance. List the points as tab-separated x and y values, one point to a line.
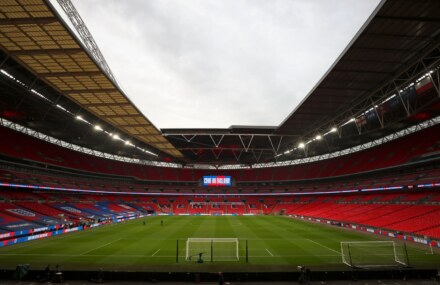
216	63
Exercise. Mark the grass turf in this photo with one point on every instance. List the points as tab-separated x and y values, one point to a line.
274	243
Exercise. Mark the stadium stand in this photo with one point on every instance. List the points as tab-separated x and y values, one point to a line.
47	210
385	84
402	212
27	215
395	153
10	223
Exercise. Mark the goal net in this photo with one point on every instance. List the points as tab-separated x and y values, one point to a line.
212	249
373	253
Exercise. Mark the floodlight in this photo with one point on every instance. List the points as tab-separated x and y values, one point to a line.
318	137
301	145
334	129
61	107
98	128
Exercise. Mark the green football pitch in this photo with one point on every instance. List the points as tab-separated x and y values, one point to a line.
274	244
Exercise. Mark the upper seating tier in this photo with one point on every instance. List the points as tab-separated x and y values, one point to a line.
389	154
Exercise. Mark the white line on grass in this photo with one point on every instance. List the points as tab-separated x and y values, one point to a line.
173	239
320	244
33	242
157	256
17	245
100	246
155	252
269	252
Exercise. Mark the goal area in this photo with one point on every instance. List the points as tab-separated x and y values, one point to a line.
212	249
364	254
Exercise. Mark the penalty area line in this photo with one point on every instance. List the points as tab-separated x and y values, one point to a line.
155	252
320	244
85	252
269	252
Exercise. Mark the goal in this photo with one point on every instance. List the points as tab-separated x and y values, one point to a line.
366	254
212	249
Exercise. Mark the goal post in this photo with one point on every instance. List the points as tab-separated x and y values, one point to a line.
212	249
373	254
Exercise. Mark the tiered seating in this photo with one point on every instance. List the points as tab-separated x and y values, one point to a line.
306	208
169	174
423	217
407	216
76	181
115	209
281	173
197	208
121	208
180	208
164	204
435	197
85	210
237	209
49	211
356	214
397	213
269	204
10	223
180	205
432	232
264	174
386	155
286	207
253	205
406	211
147	207
402	211
18	196
27	215
216	209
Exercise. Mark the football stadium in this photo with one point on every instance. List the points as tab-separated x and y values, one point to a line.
346	187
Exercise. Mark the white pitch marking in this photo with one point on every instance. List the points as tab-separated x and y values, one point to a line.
100	246
320	244
137	255
155	252
269	252
32	242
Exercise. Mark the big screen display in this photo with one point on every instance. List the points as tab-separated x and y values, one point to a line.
217	180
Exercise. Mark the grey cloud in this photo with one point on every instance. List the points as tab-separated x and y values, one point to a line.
210	63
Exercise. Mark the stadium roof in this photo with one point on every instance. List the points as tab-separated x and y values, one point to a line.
396	36
398	45
34	35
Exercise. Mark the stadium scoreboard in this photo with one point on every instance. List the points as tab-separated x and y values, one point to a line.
216	180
